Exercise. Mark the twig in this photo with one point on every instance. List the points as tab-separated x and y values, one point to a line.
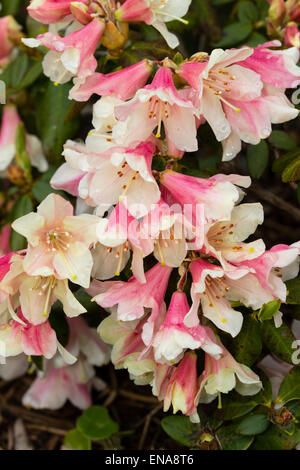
50	430
147	424
136	396
274	200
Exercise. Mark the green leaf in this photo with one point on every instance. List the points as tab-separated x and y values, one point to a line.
255	39
293	288
247	345
23	206
52	122
276	439
258	159
282	162
230	440
282	140
278	340
268	310
10	7
58	322
292	172
235	406
181	430
253	425
77	441
32	74
290	387
41	189
234	34
247	12
96	424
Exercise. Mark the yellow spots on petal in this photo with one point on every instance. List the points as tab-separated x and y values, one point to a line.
252	250
117	273
55	83
45	314
224	320
74	277
172	362
163	263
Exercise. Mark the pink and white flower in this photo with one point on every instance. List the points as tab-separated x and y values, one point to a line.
23	337
58	242
49	11
118	175
204	200
118	235
224	375
275	266
128	350
182	388
8	25
122	84
160	103
156	13
72	55
37	294
214	288
173	337
133	298
225	240
9	126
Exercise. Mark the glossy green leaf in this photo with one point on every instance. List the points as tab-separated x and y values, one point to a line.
253	425
275	438
268	310
52	122
181	430
247	12
282	140
293	288
247	345
235	406
278	340
77	441
292	172
258	159
231	440
96	424
290	387
234	34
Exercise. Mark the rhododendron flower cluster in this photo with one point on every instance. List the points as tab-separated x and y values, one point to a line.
167	254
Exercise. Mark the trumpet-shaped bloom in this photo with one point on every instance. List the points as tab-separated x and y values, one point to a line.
214	288
122	84
49	11
173	337
8	25
156	13
117	175
33	340
128	350
36	294
276	67
9	126
275	266
225	374
58	242
118	235
157	104
72	55
133	297
182	388
224	240
215	196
